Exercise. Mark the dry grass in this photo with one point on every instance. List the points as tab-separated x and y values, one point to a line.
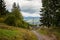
15	33
49	32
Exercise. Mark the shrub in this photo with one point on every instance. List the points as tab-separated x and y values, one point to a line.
2	20
10	20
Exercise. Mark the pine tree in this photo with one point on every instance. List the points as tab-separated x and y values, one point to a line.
2	8
15	18
16	11
45	19
50	13
57	12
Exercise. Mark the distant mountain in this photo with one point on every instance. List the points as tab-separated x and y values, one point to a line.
32	20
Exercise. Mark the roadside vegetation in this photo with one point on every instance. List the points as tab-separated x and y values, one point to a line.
15	33
51	32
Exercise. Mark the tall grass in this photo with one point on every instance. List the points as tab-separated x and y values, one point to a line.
15	33
50	31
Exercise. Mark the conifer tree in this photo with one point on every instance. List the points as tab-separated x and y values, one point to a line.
15	18
50	13
16	11
2	8
45	19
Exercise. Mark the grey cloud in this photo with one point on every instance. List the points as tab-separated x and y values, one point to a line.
29	0
29	9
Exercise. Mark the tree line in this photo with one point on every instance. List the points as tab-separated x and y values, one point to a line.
50	13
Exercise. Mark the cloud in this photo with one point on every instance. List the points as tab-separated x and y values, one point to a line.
28	7
31	20
30	15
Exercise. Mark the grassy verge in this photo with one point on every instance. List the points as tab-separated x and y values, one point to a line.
43	31
15	33
49	32
57	33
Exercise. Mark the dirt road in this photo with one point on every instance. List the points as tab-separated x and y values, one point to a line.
43	37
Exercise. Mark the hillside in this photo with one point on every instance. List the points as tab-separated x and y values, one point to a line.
15	33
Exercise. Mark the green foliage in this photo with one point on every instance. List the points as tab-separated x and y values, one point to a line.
2	8
50	13
10	20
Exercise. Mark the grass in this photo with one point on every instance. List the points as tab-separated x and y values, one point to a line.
15	33
55	31
43	31
7	34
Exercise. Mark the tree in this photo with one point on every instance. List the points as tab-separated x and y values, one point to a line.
57	12
50	13
16	11
45	19
2	8
15	18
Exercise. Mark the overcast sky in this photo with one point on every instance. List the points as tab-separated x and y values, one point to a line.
29	8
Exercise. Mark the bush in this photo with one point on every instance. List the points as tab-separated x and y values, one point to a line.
10	20
1	20
13	21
